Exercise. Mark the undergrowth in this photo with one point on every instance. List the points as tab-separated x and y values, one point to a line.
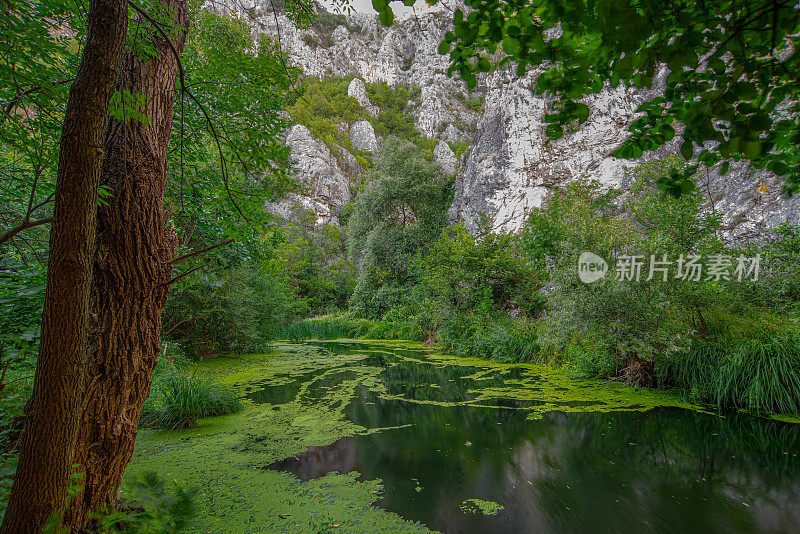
179	397
344	327
761	375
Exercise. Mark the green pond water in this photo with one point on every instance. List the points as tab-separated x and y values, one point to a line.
391	437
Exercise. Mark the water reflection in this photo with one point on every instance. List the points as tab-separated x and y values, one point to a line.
666	470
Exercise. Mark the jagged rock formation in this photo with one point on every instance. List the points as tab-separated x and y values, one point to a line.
362	135
511	166
358	91
324	189
444	156
405	53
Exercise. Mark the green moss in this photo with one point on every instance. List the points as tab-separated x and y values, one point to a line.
226	456
542	388
476	506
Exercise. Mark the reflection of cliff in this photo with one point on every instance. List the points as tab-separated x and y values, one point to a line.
663	470
339	457
666	470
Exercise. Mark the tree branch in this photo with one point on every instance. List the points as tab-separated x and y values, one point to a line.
201	251
185	273
23	226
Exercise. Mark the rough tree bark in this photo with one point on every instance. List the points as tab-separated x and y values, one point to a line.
53	412
136	244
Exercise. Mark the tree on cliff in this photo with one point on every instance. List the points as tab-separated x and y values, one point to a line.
732	85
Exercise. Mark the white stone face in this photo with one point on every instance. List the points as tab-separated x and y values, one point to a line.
340	34
405	53
358	91
445	157
362	135
511	166
324	188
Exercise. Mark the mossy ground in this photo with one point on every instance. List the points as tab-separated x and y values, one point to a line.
226	456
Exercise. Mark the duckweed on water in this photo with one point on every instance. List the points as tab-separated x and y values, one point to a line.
476	506
295	398
225	456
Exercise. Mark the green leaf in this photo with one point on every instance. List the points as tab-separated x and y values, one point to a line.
386	17
380	5
511	46
746	91
687	150
752	149
581	112
554	131
779	168
759	122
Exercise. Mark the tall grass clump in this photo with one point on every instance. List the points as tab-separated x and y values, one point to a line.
339	327
501	338
762	374
179	399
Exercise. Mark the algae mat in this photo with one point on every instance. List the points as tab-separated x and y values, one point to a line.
439	431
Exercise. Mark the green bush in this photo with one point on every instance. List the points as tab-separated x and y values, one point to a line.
637	320
236	312
729	342
324	22
21	302
321	105
310	41
395	218
465	272
179	398
498	337
313	259
166	510
589	357
412	328
459	148
475	104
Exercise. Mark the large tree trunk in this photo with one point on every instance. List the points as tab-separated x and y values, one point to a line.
53	412
136	243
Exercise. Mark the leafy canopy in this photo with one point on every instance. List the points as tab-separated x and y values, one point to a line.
732	65
397	216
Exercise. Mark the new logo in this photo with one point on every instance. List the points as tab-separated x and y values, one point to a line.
591	267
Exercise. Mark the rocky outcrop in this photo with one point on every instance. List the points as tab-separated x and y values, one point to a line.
323	188
358	91
402	54
444	156
405	53
362	135
512	166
